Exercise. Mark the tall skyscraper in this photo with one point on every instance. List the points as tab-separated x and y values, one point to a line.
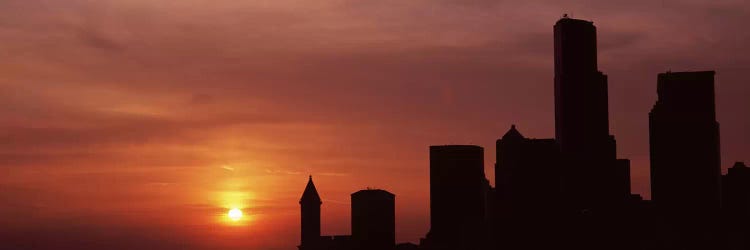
592	173
684	138
374	219
581	103
310	206
457	198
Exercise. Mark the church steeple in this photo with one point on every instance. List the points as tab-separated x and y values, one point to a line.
310	211
310	195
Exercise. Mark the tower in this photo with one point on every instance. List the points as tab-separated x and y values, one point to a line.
528	179
374	219
310	225
527	174
457	197
684	144
581	102
593	177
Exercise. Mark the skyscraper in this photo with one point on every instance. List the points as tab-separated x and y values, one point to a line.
310	207
592	174
581	103
684	138
528	180
457	198
527	174
373	219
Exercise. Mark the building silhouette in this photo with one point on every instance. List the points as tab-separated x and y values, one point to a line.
736	205
407	246
528	181
527	174
457	197
684	139
572	192
310	206
736	191
593	177
374	219
373	222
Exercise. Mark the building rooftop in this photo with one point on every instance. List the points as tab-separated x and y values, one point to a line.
311	193
373	192
512	134
568	20
455	147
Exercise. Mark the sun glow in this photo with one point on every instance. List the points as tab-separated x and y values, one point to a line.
235	214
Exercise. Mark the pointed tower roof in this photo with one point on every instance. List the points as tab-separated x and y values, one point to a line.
513	134
310	195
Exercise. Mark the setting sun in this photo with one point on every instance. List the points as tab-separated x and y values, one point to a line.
235	214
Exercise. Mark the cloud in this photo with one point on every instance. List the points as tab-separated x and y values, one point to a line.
108	100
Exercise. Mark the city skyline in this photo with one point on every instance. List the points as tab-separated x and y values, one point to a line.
161	123
571	192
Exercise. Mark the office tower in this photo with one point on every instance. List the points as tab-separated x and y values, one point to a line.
457	200
528	188
373	219
592	173
527	174
310	206
581	102
684	139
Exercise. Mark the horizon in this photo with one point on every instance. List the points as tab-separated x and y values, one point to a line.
140	124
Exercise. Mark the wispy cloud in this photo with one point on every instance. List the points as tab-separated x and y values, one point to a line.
137	104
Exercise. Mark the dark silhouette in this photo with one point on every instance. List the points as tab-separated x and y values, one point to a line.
736	205
407	246
310	206
684	138
592	178
736	191
571	192
529	190
527	174
373	222
457	197
374	219
685	162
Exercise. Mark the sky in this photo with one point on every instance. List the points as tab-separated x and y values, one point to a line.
137	124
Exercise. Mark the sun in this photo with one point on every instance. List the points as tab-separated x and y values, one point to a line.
235	214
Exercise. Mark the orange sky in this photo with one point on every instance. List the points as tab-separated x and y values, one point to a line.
137	123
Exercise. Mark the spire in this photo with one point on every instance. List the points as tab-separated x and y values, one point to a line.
310	195
513	134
